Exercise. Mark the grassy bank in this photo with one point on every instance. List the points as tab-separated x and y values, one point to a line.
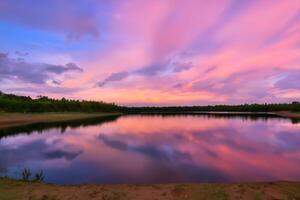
18	190
18	119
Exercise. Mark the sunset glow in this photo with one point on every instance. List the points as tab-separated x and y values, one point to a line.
152	52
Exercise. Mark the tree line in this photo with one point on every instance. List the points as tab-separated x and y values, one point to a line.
14	103
293	107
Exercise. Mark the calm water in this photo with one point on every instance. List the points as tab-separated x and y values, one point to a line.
156	149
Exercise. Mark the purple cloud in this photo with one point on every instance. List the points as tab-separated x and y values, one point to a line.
210	69
113	77
36	73
237	84
153	69
57	69
182	66
290	81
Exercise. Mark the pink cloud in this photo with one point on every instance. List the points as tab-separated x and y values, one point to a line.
237	50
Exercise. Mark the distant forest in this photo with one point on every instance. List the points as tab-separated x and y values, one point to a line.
293	107
14	103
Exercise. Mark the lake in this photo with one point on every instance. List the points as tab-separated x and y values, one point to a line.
156	149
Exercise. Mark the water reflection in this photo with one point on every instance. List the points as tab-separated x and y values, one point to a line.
159	149
41	127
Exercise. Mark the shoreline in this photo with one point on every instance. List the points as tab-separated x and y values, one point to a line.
284	114
19	190
8	120
288	114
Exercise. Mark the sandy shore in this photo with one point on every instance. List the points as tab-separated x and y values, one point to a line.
18	190
18	119
288	114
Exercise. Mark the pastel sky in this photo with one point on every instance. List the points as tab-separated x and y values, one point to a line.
152	52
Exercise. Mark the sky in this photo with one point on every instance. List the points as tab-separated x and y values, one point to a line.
152	52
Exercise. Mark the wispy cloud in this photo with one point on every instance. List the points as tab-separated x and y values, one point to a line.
113	77
159	52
